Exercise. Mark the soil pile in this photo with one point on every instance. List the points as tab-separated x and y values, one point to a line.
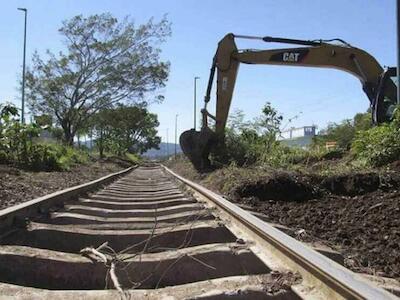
280	186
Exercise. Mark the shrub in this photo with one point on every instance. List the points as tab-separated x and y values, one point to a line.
377	146
53	157
133	158
17	145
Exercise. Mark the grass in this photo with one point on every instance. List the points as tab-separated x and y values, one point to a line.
133	158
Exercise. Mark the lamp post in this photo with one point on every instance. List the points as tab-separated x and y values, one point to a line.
195	88
176	132
398	51
167	144
23	70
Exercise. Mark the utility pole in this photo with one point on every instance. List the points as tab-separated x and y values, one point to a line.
195	88
176	133
398	52
167	144
23	71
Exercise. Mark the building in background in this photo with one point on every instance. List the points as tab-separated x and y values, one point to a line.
298	137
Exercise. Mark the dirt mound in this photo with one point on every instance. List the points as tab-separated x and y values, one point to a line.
282	186
366	228
352	184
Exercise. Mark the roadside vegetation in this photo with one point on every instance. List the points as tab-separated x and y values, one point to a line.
20	145
358	144
98	87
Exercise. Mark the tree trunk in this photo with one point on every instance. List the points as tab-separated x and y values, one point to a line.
68	136
101	149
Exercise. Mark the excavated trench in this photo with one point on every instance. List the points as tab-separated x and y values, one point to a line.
145	231
283	186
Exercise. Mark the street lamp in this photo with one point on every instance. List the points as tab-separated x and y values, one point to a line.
398	51
195	80
23	70
176	132
167	144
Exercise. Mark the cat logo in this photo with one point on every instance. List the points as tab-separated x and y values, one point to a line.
290	57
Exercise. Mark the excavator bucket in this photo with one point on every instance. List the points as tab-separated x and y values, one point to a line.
197	145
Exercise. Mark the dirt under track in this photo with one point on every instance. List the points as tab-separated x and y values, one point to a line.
356	214
365	228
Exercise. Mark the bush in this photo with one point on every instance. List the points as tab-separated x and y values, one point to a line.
133	158
242	148
344	132
377	146
53	157
17	145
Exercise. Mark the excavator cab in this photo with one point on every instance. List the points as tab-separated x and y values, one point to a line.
377	83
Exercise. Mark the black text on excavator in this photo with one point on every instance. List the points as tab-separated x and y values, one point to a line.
376	82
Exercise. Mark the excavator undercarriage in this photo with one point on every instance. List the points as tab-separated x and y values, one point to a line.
376	83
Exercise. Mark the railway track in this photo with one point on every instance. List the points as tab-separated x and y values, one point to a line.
152	234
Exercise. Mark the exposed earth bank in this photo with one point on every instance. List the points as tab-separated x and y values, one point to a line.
357	214
17	186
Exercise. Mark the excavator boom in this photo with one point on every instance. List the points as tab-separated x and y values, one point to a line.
379	88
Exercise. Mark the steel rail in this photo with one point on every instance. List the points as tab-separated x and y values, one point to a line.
326	274
10	215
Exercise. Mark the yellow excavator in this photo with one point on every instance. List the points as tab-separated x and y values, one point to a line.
376	82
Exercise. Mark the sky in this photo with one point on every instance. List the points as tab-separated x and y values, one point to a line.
306	95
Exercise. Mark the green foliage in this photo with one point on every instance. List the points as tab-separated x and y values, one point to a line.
254	143
133	158
242	148
247	142
17	145
362	121
125	129
344	132
270	120
106	61
377	146
53	157
15	138
44	120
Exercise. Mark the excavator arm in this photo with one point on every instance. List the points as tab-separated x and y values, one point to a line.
380	90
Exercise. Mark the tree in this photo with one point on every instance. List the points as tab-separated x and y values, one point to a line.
270	120
43	120
100	126
362	121
236	122
134	129
342	133
251	141
126	129
106	61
